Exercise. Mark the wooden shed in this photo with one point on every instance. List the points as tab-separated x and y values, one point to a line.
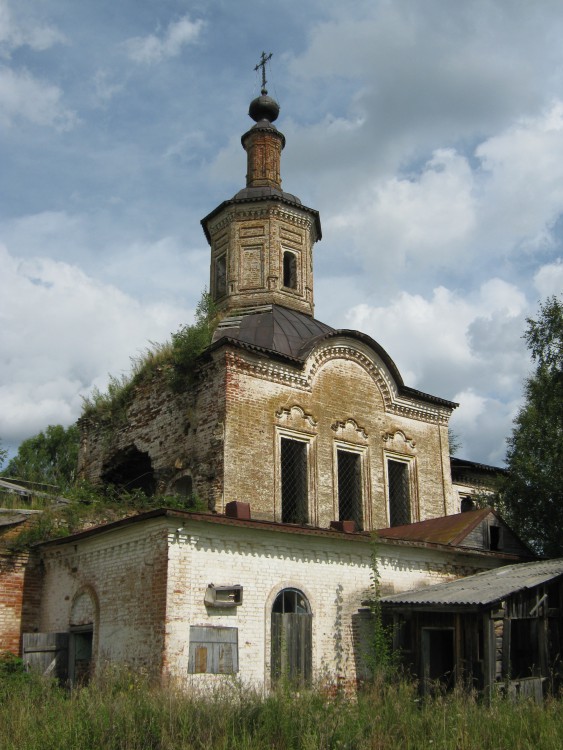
500	628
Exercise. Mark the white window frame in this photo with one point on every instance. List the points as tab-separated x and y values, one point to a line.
362	451
410	462
310	441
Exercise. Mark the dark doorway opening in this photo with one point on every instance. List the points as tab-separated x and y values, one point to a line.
80	655
438	659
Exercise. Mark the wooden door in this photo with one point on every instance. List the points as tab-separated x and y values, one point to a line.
46	654
292	638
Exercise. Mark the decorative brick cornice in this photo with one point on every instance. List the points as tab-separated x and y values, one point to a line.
394	403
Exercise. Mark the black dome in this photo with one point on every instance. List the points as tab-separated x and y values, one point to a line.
264	108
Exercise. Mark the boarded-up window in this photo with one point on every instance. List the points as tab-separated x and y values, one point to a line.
294	494
399	493
213	650
350	487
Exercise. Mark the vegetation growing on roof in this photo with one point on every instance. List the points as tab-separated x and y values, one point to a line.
176	358
85	506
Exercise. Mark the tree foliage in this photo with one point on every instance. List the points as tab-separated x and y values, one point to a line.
47	458
532	496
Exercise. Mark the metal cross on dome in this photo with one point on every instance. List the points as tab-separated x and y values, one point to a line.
262	64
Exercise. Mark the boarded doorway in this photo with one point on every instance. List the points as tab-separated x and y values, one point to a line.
292	629
438	658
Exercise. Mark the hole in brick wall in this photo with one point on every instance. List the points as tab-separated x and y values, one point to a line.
130	469
183	487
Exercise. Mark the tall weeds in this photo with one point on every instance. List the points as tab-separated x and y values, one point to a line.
122	710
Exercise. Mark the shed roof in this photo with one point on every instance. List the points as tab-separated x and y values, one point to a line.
450	530
479	590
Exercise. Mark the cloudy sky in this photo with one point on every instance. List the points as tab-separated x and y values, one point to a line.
428	133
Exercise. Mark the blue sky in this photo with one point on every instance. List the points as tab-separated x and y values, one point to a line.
429	135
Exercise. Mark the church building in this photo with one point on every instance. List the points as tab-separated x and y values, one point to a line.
301	440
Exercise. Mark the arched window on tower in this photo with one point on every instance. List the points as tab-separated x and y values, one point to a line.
289	270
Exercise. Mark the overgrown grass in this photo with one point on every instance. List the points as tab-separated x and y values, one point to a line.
124	711
176	359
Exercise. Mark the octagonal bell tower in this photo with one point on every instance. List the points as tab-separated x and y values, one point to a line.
262	239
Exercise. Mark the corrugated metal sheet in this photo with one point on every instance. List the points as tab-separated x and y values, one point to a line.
481	589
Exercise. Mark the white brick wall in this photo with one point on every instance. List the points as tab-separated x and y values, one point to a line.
147	581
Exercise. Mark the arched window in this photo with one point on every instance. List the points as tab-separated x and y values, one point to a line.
292	627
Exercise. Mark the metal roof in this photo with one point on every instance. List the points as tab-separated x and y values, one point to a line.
479	590
253	195
281	331
273	328
450	530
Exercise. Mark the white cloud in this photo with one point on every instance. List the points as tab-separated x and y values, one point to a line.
23	97
548	279
153	48
464	348
104	87
25	31
62	332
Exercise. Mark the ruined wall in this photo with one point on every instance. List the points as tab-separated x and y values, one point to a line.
181	433
20	592
121	576
343	398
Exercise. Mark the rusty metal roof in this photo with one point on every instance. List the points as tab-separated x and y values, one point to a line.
450	530
479	590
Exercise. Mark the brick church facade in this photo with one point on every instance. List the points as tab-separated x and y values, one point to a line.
301	440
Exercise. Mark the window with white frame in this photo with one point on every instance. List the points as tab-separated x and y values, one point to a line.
399	491
294	480
350	485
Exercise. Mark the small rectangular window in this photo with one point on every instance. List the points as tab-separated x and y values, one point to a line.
220	280
399	493
294	495
289	270
213	650
350	487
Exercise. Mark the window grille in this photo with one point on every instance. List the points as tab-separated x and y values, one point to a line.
399	493
293	466
350	487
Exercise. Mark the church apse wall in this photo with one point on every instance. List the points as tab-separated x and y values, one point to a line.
316	444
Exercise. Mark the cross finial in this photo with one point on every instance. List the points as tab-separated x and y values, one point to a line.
262	64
